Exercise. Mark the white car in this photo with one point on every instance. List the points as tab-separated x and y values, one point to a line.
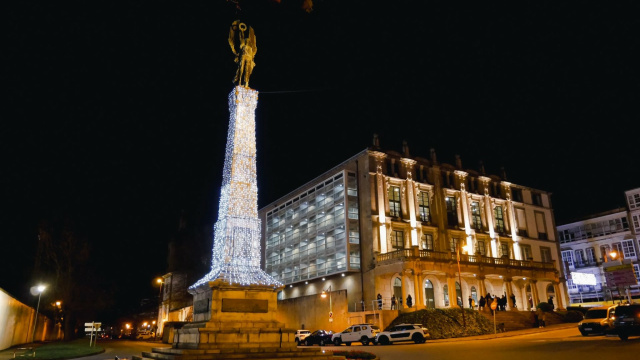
145	335
403	332
363	333
301	335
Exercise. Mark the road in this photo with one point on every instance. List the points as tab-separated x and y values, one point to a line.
123	349
558	344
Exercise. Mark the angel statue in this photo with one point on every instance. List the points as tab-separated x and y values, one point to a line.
244	48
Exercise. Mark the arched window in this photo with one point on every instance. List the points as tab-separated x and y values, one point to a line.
458	294
445	293
429	296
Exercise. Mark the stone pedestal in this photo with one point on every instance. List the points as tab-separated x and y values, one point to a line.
234	317
235	322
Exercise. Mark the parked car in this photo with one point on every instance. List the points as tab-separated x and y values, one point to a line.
320	337
301	335
597	320
626	321
145	335
403	332
363	333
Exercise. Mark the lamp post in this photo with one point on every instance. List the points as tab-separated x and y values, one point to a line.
40	289
160	306
324	295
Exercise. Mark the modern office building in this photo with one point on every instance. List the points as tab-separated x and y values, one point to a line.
384	222
590	245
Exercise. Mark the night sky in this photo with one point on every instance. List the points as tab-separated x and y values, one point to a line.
115	113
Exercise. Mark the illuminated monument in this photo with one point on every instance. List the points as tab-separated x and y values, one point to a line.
235	304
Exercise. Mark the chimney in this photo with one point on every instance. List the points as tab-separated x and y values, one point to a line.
376	141
434	160
458	162
481	167
405	149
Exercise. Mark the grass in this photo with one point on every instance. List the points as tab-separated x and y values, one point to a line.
64	350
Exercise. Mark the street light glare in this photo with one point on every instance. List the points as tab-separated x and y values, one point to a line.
41	288
323	295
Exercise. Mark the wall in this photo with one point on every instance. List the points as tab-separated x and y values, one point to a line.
16	323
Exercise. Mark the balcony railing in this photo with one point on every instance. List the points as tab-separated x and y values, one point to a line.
438	256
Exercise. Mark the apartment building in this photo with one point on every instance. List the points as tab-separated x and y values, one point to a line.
384	222
589	245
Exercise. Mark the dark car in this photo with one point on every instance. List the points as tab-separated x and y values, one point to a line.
320	337
626	321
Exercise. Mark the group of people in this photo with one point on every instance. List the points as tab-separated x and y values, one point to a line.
395	302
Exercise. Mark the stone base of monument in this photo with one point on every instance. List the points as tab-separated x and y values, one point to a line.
234	322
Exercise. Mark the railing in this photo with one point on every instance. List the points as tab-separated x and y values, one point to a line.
438	256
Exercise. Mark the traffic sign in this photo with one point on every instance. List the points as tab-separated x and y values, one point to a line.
330	313
494	304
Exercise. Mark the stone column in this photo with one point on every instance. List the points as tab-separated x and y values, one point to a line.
534	292
558	303
453	297
507	285
419	294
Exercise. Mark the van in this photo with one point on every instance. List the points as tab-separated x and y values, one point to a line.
597	320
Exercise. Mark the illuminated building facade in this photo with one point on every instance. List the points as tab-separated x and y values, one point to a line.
384	222
589	244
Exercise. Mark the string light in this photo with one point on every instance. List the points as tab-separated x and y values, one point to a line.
236	242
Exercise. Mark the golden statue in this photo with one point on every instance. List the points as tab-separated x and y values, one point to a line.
244	48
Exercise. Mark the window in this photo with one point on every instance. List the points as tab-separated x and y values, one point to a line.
397	239
427	242
354	234
521	219
354	259
541	226
475	215
453	244
352	185
504	249
499	215
516	194
394	201
591	255
526	252
452	212
617	247
481	249
634	201
579	257
545	254
536	198
567	258
423	206
636	270
627	249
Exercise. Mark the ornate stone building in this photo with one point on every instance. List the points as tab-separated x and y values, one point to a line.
387	223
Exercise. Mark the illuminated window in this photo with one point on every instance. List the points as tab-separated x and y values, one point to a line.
427	242
453	244
394	201
397	239
480	248
499	215
476	221
423	207
452	211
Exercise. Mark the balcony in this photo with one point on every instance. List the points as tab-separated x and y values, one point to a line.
437	256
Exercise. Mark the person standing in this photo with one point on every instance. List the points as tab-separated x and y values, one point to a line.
470	302
393	302
409	301
379	302
513	300
530	303
551	302
481	303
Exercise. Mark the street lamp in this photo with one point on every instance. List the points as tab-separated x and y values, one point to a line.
159	281
324	295
40	289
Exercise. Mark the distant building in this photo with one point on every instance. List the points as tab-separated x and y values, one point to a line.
384	222
587	245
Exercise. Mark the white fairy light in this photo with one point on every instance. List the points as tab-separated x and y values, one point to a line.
236	242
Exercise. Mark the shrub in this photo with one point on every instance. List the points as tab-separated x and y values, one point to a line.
544	306
573	316
447	323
